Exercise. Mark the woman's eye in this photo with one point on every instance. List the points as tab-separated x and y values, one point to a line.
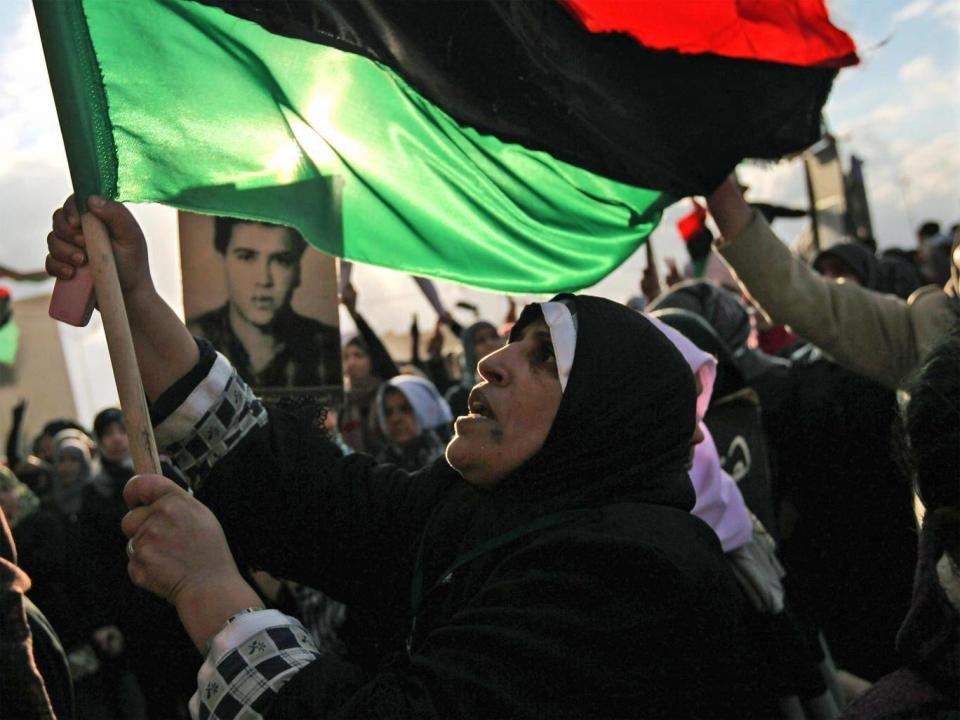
545	354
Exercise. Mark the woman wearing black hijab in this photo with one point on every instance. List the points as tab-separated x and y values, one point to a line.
556	572
578	585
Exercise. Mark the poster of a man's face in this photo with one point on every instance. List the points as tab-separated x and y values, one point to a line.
265	300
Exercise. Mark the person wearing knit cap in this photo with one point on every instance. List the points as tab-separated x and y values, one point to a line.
113	450
856	263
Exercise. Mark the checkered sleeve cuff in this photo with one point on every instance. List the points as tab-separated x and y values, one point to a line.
214	417
249	661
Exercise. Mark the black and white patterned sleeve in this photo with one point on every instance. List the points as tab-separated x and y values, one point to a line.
249	661
215	414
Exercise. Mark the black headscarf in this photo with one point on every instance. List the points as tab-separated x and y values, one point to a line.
728	316
623	429
858	258
696	328
621	435
898	275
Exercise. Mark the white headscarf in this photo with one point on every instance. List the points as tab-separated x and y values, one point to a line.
563	334
429	407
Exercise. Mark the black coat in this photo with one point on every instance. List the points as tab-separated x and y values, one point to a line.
852	551
626	609
48	544
158	649
580	587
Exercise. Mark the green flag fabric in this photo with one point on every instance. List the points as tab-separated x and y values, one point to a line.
9	342
176	102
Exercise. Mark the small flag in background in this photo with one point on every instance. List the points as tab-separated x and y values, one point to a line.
9	332
504	145
693	223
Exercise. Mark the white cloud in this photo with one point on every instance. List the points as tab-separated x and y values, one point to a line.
933	169
28	122
918	69
781	183
914	10
910	181
950	10
920	86
888	114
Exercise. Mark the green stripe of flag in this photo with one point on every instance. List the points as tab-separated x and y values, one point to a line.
9	342
210	113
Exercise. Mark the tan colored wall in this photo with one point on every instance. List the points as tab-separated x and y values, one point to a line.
40	374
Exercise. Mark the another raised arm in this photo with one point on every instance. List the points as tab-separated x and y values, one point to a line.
867	332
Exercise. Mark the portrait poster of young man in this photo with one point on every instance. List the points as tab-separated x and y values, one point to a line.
265	300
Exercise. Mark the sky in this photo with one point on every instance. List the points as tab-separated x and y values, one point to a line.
898	110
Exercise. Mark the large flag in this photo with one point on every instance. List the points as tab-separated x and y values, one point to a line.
505	145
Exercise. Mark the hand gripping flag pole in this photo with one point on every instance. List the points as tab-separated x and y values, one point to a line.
62	29
113	313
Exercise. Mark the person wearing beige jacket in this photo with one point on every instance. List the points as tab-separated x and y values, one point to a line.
879	336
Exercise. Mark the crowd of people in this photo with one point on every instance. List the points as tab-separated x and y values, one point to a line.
701	503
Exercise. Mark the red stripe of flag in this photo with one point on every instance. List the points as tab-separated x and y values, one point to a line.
792	32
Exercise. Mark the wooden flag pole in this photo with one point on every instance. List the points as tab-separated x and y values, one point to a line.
113	313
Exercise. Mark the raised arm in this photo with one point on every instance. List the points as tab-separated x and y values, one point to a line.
867	332
322	512
165	349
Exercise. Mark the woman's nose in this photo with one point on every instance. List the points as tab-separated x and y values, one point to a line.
493	367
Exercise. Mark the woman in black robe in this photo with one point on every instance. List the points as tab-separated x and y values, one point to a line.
547	567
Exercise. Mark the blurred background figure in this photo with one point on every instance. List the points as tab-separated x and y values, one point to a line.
478	340
138	638
416	421
933	253
366	364
927	682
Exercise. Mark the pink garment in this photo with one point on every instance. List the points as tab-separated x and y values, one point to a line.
719	501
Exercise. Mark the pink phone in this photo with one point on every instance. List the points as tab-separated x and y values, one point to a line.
72	300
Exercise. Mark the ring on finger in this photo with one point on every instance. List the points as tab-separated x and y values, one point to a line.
130	547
